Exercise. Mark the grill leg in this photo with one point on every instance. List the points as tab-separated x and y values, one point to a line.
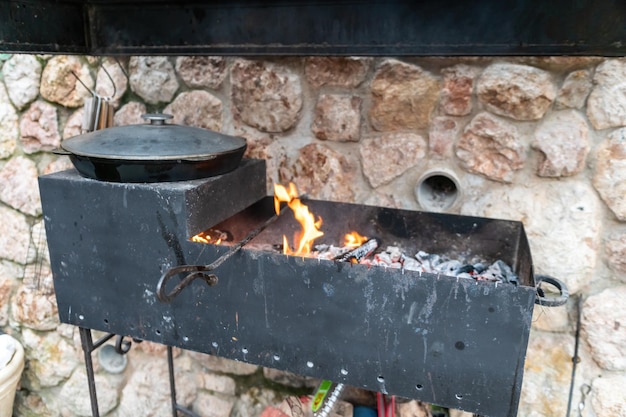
86	342
175	406
88	346
170	366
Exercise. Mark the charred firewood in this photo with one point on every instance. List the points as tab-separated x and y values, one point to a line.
355	255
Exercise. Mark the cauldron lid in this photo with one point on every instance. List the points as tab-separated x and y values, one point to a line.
153	141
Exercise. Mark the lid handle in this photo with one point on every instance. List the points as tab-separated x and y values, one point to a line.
156	118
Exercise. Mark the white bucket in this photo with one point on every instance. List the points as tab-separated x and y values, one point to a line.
9	379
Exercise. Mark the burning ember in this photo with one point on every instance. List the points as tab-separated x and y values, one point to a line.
303	240
212	236
394	257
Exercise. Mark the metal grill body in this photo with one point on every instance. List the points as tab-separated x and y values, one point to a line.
454	342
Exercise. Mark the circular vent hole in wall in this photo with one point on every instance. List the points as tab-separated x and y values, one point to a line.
437	191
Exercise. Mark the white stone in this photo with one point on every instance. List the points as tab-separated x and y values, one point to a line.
60	81
547	375
616	253
551	319
32	404
130	114
153	78
39	271
517	91
202	71
61	163
323	173
10	269
575	90
67	331
606	105
18	185
389	155
8	125
74	124
608	396
610	172
34	308
458	89
563	140
7	285
217	383
74	396
403	97
265	95
336	71
413	409
208	405
491	146
22	74
39	130
147	392
51	358
604	326
115	86
565	249
337	118
14	232
197	108
442	136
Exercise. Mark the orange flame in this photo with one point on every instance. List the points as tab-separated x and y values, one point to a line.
353	240
303	241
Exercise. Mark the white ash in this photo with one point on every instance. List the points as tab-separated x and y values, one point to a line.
394	257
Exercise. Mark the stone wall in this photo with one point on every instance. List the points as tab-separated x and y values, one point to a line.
541	140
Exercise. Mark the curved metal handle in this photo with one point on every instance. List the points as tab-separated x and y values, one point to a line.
195	272
542	300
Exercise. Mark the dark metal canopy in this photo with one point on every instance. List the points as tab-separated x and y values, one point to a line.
315	27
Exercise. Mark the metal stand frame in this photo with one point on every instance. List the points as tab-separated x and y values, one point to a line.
122	347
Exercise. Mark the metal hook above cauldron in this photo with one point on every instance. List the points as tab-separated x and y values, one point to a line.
98	109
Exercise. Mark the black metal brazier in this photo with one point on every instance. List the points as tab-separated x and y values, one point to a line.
459	343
